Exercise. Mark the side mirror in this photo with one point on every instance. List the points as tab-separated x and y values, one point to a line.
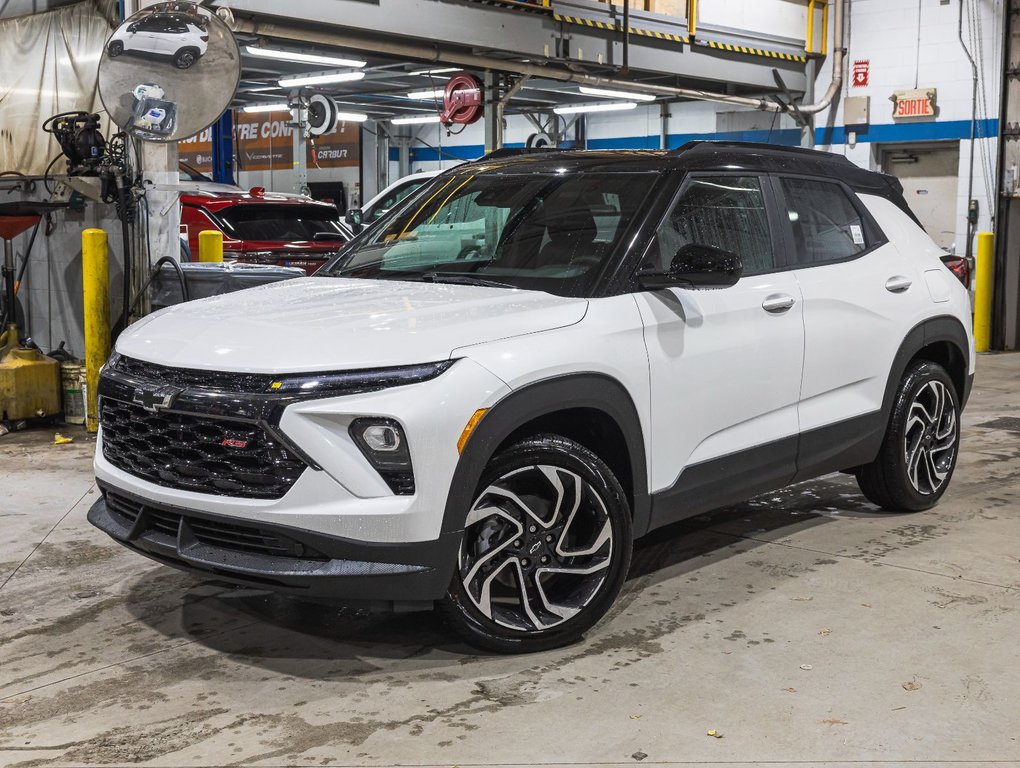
133	27
355	219
702	266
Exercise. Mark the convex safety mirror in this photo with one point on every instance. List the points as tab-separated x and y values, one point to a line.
169	71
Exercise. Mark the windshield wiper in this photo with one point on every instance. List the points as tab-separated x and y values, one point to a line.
460	278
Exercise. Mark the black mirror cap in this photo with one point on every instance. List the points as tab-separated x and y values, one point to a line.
701	266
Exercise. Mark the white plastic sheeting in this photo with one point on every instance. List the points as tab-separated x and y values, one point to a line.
48	64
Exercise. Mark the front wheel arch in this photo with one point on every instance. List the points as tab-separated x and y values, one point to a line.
536	404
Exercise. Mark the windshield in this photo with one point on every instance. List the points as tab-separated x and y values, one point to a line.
265	221
548	232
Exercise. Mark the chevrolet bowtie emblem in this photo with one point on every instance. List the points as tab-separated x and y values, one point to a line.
155	400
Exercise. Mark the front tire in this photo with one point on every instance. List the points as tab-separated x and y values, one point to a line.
546	548
921	445
115	49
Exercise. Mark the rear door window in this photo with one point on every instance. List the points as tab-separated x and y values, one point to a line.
825	224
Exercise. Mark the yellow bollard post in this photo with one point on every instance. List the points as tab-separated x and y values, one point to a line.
210	246
95	273
983	292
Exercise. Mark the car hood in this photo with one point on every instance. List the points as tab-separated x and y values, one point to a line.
320	324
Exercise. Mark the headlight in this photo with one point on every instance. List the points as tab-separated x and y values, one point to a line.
324	384
384	444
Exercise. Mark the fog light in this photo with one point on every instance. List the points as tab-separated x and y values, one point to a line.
381	437
383	443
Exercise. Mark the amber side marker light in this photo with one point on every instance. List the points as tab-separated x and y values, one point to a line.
469	428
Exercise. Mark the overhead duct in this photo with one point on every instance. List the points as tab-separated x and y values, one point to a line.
434	53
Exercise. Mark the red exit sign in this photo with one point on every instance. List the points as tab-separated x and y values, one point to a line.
918	102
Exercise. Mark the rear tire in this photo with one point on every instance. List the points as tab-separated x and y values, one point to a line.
185	58
546	548
921	445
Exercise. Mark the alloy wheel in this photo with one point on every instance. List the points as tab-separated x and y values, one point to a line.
537	548
929	438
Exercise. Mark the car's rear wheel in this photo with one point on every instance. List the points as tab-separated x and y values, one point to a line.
546	548
185	58
921	445
116	48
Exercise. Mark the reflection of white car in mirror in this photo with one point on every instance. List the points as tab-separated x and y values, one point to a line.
183	37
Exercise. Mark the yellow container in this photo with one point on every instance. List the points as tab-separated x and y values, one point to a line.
29	384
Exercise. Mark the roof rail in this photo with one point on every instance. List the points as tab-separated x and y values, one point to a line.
710	146
503	152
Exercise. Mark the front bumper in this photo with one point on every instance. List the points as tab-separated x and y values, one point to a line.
281	558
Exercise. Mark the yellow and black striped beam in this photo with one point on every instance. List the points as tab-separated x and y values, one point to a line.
612	27
752	51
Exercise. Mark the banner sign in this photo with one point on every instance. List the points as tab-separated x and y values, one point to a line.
266	143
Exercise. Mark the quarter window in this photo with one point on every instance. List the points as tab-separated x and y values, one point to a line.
825	224
726	212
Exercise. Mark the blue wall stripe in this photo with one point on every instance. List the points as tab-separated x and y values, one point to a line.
889	133
927	131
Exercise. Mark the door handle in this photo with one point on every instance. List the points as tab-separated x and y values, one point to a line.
777	303
898	284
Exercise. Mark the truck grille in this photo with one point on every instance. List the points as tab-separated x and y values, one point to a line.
214	533
197	453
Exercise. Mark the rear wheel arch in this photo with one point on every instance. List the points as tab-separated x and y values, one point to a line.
594	410
941	340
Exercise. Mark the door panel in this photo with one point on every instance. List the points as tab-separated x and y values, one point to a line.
725	373
853	327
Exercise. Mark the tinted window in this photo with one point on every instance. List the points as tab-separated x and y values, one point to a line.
549	232
726	212
280	223
825	224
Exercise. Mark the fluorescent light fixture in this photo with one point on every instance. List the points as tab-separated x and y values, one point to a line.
436	93
415	120
616	94
323	79
576	109
279	106
440	71
304	58
350	117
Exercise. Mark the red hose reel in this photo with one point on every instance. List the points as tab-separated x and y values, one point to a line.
463	102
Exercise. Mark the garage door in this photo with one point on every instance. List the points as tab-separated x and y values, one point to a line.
930	178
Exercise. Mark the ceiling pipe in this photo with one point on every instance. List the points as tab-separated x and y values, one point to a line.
838	56
436	54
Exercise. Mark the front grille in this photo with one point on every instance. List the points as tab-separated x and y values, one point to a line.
197	453
215	533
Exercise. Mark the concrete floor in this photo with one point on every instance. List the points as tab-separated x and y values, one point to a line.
804	626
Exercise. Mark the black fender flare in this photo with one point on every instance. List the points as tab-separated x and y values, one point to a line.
580	390
930	331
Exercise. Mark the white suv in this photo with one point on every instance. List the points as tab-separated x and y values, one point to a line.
182	37
531	362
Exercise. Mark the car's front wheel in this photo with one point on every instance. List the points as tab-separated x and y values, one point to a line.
921	444
546	548
115	49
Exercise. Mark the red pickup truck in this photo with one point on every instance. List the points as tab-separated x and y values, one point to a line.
261	227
